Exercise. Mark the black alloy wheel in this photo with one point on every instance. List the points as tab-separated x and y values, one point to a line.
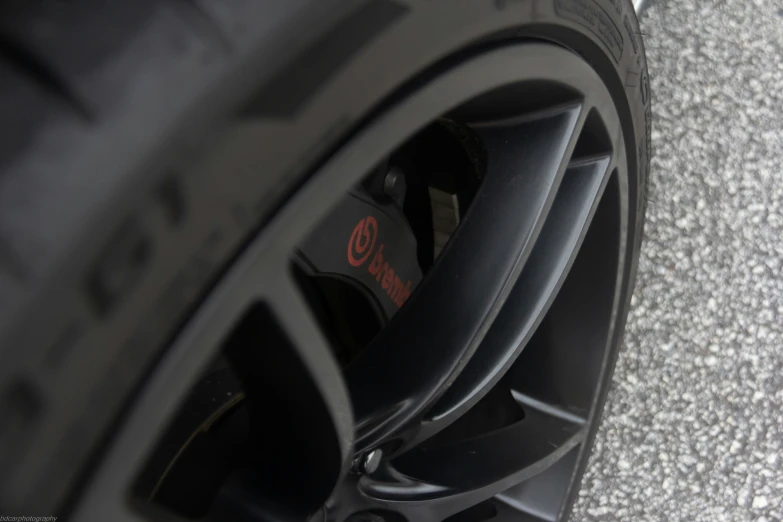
475	400
389	286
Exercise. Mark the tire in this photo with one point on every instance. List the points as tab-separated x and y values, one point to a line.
115	223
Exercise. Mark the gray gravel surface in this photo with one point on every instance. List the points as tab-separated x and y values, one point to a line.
693	429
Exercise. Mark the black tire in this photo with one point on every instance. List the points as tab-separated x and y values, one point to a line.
112	228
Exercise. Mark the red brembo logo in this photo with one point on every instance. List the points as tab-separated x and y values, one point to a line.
360	247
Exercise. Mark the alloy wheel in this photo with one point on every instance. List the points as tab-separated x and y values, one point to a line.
476	393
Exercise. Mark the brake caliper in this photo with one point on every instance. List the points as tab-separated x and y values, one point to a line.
369	242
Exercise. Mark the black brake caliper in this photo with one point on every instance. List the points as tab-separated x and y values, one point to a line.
368	242
375	246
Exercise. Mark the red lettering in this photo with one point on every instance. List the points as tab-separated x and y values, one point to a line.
406	292
360	247
388	278
394	290
382	271
376	262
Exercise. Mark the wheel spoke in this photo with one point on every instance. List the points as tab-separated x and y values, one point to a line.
291	380
562	363
302	328
539	499
541	278
531	403
466	286
455	476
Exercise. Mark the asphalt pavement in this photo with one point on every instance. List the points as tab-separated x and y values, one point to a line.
693	429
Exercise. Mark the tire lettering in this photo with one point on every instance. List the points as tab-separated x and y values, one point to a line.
595	18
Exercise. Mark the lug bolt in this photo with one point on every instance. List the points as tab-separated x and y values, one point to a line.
370	461
394	184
